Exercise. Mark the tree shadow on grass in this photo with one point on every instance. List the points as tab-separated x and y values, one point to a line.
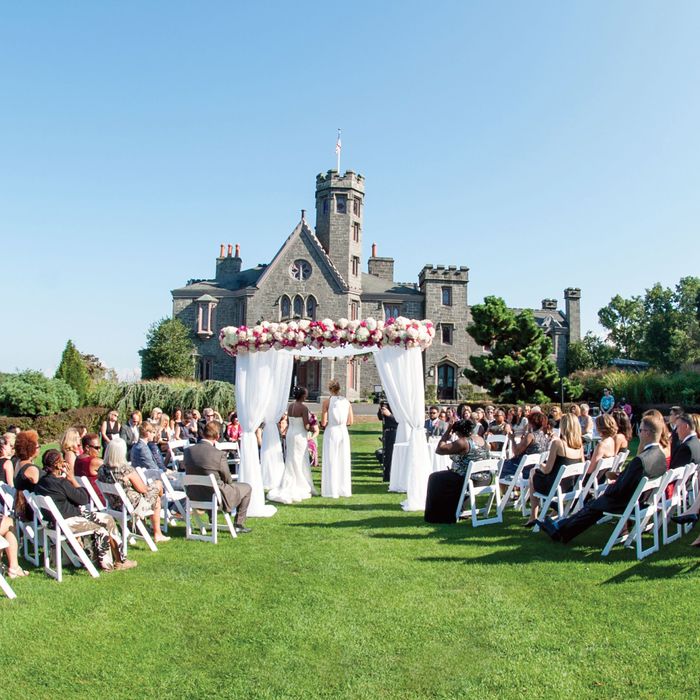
657	567
363	524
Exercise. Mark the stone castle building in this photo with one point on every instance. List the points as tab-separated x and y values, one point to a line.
318	274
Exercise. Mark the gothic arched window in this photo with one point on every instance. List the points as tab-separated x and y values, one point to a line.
311	307
285	307
298	306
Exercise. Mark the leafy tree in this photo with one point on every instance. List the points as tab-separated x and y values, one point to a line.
73	371
519	366
30	393
687	300
169	351
589	353
97	370
623	319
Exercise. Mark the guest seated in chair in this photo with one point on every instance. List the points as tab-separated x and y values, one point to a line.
607	429
445	487
650	461
141	453
203	459
89	462
71	500
565	450
535	441
142	496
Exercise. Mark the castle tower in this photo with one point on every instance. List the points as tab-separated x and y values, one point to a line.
339	210
445	290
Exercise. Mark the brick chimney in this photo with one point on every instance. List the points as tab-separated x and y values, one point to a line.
228	267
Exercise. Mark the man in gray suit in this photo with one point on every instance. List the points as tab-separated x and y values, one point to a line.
203	459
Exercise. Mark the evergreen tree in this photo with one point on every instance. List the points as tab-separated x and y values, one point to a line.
519	366
73	371
169	351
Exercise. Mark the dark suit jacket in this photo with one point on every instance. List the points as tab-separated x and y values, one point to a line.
203	459
686	453
650	462
126	434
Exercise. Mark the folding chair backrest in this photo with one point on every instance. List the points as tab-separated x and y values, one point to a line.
500	442
4	585
95	502
620	459
7	498
209	481
226	446
483	465
116	490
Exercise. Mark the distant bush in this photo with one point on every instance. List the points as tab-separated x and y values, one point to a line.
30	393
641	387
167	394
50	427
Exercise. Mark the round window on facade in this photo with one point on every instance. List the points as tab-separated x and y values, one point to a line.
300	270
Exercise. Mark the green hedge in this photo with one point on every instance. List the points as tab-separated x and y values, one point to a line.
52	426
650	387
166	394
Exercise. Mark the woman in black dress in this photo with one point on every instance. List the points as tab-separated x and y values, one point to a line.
463	445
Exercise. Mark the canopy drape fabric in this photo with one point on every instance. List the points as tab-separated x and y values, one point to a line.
271	457
401	373
255	377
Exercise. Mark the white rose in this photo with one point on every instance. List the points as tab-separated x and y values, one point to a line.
362	334
343	323
371	323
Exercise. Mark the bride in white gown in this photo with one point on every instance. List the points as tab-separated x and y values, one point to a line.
335	418
297	484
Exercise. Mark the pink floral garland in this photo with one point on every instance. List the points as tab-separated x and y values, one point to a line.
297	335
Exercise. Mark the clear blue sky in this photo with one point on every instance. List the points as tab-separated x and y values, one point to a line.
543	144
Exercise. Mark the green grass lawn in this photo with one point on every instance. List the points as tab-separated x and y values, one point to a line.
356	599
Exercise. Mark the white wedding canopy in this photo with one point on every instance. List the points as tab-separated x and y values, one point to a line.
265	356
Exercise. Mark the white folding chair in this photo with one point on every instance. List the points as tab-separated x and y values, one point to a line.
4	585
177	450
229	448
498	445
517	481
212	507
640	516
29	532
673	504
492	490
125	513
61	536
620	459
95	504
589	484
563	499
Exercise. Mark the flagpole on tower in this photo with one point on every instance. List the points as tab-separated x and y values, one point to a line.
337	152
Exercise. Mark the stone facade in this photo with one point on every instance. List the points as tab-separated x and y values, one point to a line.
317	274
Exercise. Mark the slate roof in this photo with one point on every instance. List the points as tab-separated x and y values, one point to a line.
376	286
244	279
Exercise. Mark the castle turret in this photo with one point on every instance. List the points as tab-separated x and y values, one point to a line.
339	211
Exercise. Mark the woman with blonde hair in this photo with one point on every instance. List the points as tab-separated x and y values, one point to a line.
71	447
336	416
564	450
665	440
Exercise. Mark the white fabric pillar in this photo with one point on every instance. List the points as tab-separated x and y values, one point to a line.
254	386
401	372
271	457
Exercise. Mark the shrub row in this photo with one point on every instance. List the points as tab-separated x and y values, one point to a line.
52	426
650	387
167	394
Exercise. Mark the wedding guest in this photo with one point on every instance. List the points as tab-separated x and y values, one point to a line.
129	431
71	501
479	417
233	429
176	423
164	434
463	412
7	452
607	429
650	461
519	422
624	430
672	418
70	446
445	487
141	453
586	422
389	426
499	426
489	414
154	419
554	417
607	402
7	530
110	427
665	436
26	450
564	450
535	441
433	425
116	469
89	462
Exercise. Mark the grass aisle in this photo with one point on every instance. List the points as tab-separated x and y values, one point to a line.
355	598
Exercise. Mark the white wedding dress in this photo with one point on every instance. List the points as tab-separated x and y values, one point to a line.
297	484
335	470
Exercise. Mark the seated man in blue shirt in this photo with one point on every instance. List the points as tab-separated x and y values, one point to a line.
141	454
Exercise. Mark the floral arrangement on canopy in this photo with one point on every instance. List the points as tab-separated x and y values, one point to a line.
297	335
